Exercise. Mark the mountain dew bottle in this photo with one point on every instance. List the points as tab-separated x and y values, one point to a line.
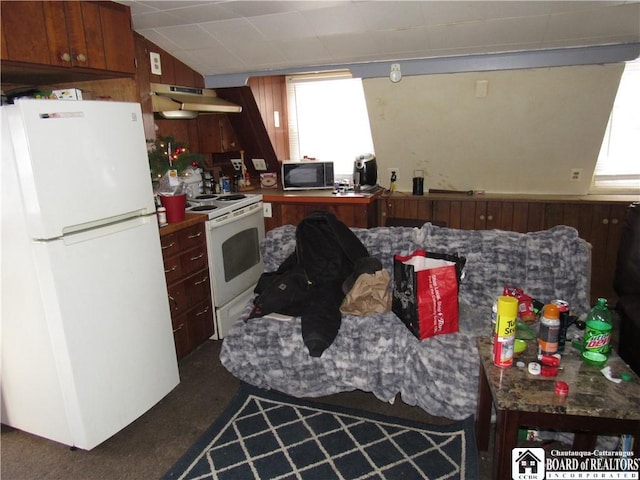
597	335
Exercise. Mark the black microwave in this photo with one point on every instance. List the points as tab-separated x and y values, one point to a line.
307	175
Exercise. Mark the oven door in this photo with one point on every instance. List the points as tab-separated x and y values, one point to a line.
235	260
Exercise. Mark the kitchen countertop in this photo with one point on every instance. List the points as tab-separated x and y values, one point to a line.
317	196
514	197
189	220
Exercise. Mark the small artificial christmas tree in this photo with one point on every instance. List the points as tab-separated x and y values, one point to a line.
166	154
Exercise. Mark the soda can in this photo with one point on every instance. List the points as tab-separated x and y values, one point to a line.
225	186
505	333
563	307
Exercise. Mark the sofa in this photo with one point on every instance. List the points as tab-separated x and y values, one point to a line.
627	285
377	353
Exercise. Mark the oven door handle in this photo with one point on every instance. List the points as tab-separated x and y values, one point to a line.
235	215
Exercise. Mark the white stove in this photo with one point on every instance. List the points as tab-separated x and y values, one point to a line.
218	205
235	230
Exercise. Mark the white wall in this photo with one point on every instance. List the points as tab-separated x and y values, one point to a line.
533	127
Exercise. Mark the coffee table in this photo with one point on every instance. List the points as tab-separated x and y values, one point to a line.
595	406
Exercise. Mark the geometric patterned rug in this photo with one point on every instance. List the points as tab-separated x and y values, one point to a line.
268	435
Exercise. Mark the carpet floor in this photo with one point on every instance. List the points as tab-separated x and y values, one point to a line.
148	447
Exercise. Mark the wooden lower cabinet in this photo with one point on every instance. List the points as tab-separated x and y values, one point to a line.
598	222
466	214
358	215
188	286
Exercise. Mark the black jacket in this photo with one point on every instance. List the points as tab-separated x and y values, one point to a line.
309	282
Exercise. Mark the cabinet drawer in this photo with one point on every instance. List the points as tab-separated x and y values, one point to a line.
193	327
192	237
184	294
170	244
181	336
198	286
194	260
173	269
201	326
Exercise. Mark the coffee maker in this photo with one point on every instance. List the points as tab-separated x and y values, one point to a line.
365	171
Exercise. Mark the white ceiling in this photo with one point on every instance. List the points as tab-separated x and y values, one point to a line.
231	37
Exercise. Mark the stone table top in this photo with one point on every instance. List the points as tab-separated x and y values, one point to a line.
590	393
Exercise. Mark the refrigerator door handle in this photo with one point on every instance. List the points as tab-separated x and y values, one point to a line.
107	229
103	222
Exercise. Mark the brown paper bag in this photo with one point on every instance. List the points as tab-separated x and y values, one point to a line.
370	294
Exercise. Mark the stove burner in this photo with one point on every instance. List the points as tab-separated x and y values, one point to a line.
203	208
231	198
205	197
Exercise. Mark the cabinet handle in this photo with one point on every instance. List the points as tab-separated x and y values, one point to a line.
175	302
490	217
179	328
200	282
195	236
481	217
171	269
605	221
65	57
198	257
168	246
202	312
614	221
81	57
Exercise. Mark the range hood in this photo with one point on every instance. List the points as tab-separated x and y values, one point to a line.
171	101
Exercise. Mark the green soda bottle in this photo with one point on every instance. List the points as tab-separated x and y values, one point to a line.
597	335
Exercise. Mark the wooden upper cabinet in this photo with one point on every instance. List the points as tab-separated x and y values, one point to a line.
24	32
71	34
119	49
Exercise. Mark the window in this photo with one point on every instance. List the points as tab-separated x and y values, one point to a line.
328	119
618	166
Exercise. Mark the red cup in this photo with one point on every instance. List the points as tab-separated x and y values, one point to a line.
175	205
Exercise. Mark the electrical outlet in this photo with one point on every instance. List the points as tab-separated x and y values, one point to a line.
259	164
237	163
266	209
156	64
392	171
576	175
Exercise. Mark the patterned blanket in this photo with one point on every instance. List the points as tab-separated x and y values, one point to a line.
377	353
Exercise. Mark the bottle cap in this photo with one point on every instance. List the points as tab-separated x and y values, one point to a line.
551	311
507	306
562	389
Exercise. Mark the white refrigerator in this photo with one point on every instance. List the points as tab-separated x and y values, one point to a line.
86	334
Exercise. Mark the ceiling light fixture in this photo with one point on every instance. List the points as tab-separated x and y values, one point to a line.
395	75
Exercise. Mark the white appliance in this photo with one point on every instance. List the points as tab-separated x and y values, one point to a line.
235	230
87	342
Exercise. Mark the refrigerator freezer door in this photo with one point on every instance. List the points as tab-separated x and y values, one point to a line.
79	163
109	334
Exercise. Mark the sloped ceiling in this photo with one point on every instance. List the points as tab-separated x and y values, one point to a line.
254	37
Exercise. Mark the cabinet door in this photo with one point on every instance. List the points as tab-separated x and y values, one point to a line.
600	224
117	37
24	32
351	215
85	35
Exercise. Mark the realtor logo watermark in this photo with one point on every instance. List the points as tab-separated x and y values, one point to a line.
539	464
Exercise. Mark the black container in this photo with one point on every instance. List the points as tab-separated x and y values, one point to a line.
418	185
